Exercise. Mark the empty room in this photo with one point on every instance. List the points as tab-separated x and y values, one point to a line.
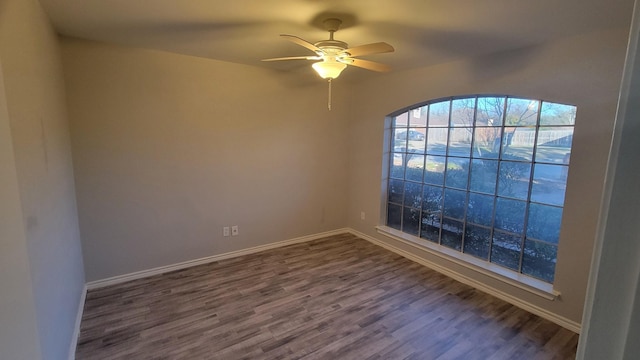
319	179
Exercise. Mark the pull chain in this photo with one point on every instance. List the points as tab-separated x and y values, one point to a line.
329	101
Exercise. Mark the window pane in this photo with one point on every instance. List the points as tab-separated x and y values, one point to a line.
454	203
412	140
400	120
549	184
399	140
452	234
490	111
517	143
396	188
430	227
476	241
411	221
522	112
514	179
418	117
457	173
480	209
557	114
397	166
394	216
432	200
483	176
439	114
505	250
539	260
554	145
460	141
415	167
437	141
544	222
463	112
416	139
509	215
434	173
486	142
413	195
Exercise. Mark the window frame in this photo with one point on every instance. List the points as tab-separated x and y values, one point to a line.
516	277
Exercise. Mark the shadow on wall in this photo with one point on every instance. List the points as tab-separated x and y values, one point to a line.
500	65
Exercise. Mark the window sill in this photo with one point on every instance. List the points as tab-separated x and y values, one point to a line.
524	282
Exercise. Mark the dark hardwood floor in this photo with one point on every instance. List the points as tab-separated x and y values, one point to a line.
335	298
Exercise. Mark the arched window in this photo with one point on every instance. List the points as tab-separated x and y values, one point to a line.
483	175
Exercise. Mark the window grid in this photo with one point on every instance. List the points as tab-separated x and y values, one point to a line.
407	132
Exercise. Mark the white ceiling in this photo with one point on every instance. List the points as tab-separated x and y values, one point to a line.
423	32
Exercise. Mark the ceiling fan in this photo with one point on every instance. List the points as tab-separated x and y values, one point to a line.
333	55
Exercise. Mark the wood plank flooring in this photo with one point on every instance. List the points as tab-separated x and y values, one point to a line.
335	298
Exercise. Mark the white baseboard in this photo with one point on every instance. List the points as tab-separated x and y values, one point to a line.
534	309
543	313
76	329
205	260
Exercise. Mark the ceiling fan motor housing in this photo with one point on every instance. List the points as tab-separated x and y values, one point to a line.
332	45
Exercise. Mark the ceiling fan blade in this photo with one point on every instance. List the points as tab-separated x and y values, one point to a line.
294	58
302	42
366	64
374	48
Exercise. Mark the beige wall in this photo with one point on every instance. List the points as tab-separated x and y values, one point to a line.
18	327
37	118
168	149
584	71
612	310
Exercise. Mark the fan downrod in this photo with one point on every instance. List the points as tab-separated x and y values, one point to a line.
332	25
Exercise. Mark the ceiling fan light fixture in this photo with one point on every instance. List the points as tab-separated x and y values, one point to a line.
329	69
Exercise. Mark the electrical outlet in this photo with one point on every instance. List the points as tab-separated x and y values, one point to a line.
225	231
361	215
234	230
